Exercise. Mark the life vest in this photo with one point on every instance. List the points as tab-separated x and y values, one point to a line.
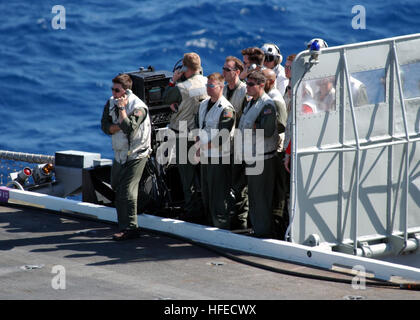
209	127
138	144
278	99
237	97
260	147
281	113
193	91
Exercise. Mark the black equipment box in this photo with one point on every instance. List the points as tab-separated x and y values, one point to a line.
149	85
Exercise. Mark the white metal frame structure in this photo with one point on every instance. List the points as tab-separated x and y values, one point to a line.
355	179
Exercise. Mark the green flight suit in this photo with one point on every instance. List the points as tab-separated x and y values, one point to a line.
187	95
261	186
126	175
216	172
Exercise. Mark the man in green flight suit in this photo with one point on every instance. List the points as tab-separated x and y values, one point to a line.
125	117
235	92
216	120
184	94
258	150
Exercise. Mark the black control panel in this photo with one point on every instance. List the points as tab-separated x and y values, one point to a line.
149	85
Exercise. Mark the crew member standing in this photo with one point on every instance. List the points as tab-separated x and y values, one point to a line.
125	118
280	215
272	60
258	150
216	119
235	92
184	94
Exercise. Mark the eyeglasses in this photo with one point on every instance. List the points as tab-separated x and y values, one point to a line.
117	90
250	84
287	67
228	69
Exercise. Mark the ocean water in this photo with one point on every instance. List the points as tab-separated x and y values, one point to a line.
55	82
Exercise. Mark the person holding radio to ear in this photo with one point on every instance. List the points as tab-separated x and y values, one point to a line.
125	118
184	94
253	60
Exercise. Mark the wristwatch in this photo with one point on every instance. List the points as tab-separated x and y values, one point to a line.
121	108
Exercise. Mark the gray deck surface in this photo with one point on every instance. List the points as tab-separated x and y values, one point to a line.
153	267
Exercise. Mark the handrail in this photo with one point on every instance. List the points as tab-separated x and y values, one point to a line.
26	157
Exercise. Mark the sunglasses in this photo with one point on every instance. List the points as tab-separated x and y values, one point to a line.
250	84
117	90
228	69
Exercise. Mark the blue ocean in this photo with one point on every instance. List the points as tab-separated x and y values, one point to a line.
56	63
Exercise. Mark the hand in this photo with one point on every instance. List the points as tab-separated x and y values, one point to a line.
176	76
123	101
114	128
174	107
243	74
